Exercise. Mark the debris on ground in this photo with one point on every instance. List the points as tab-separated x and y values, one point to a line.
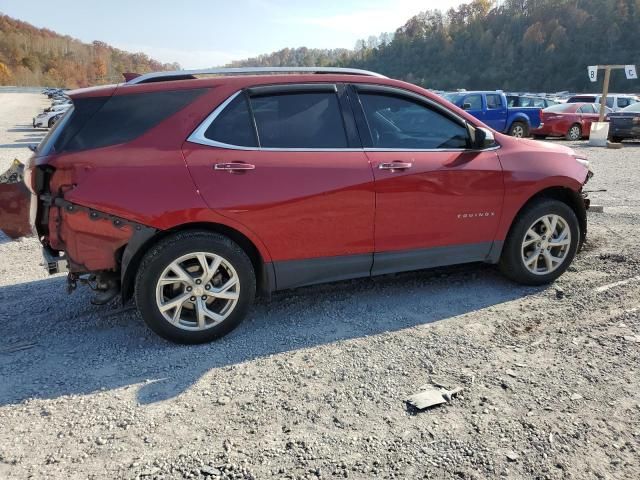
432	396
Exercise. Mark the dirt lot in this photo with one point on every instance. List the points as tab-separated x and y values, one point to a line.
313	384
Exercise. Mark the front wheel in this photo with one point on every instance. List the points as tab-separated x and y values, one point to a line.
541	244
194	287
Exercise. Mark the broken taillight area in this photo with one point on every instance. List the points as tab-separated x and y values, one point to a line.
90	239
92	243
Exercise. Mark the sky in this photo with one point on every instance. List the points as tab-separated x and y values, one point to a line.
201	34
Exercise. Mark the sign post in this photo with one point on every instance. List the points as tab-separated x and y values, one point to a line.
629	70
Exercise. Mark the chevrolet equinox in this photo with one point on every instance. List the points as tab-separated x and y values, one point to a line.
194	191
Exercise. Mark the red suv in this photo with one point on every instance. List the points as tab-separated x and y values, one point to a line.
193	194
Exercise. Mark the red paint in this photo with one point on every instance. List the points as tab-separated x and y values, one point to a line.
295	205
557	124
420	207
14	210
301	204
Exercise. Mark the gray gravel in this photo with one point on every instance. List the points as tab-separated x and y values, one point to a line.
313	384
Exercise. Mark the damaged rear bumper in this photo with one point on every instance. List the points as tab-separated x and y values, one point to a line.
91	240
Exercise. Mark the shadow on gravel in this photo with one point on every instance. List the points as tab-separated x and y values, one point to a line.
31	136
52	344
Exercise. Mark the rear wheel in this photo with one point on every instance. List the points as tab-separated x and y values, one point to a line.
519	130
194	287
574	133
541	244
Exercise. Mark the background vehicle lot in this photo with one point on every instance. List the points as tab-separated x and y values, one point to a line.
313	382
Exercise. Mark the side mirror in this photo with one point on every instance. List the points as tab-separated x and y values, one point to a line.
466	106
480	138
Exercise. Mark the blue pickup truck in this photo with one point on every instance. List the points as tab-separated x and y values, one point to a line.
491	108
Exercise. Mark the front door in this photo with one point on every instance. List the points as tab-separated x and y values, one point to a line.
280	161
437	202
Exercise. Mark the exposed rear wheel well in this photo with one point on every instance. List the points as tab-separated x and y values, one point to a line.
262	277
564	195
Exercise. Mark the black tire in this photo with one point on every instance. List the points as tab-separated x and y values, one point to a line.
539	137
161	255
51	121
571	135
616	139
512	264
519	130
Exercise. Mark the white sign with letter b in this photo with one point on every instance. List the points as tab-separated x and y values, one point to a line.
593	73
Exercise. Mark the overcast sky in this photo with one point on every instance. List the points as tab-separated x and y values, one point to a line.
199	34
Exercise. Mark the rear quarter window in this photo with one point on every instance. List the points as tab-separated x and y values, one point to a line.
234	125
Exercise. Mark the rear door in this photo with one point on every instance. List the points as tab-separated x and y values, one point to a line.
286	163
588	114
437	202
496	112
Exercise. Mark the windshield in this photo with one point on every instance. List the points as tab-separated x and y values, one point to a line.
560	108
633	108
454	97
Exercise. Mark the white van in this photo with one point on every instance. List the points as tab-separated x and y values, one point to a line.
615	101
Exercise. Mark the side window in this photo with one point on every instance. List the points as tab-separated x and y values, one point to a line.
586	109
494	101
475	102
539	103
623	102
512	101
299	120
233	126
401	123
610	102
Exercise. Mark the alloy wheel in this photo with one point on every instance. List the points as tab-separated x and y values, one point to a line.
546	244
574	133
518	131
197	291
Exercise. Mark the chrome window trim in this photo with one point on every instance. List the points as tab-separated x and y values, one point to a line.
197	136
252	70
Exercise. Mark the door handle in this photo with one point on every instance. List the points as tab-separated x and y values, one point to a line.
234	167
395	165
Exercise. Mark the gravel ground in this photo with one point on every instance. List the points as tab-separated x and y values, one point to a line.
313	384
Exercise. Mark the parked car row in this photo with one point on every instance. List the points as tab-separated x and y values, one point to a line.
493	108
60	103
554	115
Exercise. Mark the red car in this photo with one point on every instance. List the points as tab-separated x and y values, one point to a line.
569	120
194	194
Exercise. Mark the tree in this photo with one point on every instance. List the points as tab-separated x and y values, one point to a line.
5	75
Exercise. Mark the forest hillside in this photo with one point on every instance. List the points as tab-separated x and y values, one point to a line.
38	56
533	45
